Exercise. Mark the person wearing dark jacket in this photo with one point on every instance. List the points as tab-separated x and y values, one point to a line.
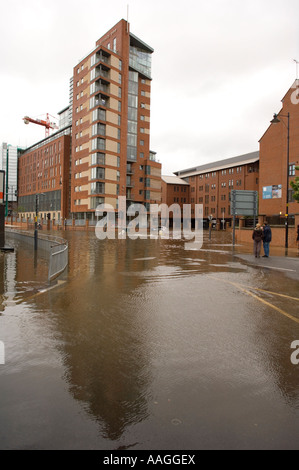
267	239
257	237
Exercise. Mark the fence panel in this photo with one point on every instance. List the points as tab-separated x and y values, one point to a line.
58	259
56	246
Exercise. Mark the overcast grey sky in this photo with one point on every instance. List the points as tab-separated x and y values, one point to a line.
220	68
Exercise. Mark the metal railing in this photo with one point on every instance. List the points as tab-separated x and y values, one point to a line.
56	246
58	259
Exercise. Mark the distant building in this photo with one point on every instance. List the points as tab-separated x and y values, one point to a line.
12	169
211	184
65	117
175	191
111	154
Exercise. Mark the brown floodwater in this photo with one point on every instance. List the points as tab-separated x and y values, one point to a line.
143	344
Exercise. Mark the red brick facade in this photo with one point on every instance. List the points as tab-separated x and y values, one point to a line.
44	169
211	185
273	159
102	166
176	192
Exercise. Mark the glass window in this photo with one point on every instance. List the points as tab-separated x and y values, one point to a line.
132	101
133	76
131	153
132	139
132	127
133	88
132	114
98	159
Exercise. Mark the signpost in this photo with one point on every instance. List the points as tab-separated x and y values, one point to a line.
210	226
243	203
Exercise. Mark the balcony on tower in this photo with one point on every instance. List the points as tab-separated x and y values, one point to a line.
130	170
100	100
98	129
100	56
100	71
97	188
129	182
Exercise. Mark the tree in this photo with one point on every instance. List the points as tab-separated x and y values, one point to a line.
295	186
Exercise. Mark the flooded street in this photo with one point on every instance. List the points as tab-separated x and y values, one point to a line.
143	344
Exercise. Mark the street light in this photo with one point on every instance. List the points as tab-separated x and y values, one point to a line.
6	189
275	120
36	216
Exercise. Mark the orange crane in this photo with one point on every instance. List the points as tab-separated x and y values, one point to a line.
48	124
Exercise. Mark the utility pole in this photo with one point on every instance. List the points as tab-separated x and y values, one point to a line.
6	190
35	222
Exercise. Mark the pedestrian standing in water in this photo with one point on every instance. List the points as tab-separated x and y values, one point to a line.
257	237
266	239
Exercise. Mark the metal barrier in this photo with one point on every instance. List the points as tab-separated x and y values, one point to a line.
58	259
56	246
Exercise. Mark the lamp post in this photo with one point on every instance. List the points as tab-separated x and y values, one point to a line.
36	217
35	222
275	120
6	188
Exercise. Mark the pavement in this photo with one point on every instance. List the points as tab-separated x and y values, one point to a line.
288	265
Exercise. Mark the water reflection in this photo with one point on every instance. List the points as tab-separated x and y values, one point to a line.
150	335
19	274
104	348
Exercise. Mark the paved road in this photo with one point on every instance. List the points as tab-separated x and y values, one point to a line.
287	265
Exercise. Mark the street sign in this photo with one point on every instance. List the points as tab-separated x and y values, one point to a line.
244	203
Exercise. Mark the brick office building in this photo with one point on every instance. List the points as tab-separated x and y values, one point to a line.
211	184
175	191
277	165
43	170
111	154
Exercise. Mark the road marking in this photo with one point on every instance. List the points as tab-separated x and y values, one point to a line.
40	292
276	293
273	267
239	286
43	291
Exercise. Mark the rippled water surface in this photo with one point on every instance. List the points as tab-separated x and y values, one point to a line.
143	344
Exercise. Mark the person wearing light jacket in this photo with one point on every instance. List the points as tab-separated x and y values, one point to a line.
257	237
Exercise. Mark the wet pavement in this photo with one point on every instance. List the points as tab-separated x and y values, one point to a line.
143	344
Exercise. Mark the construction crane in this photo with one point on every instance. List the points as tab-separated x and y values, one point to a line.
48	124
